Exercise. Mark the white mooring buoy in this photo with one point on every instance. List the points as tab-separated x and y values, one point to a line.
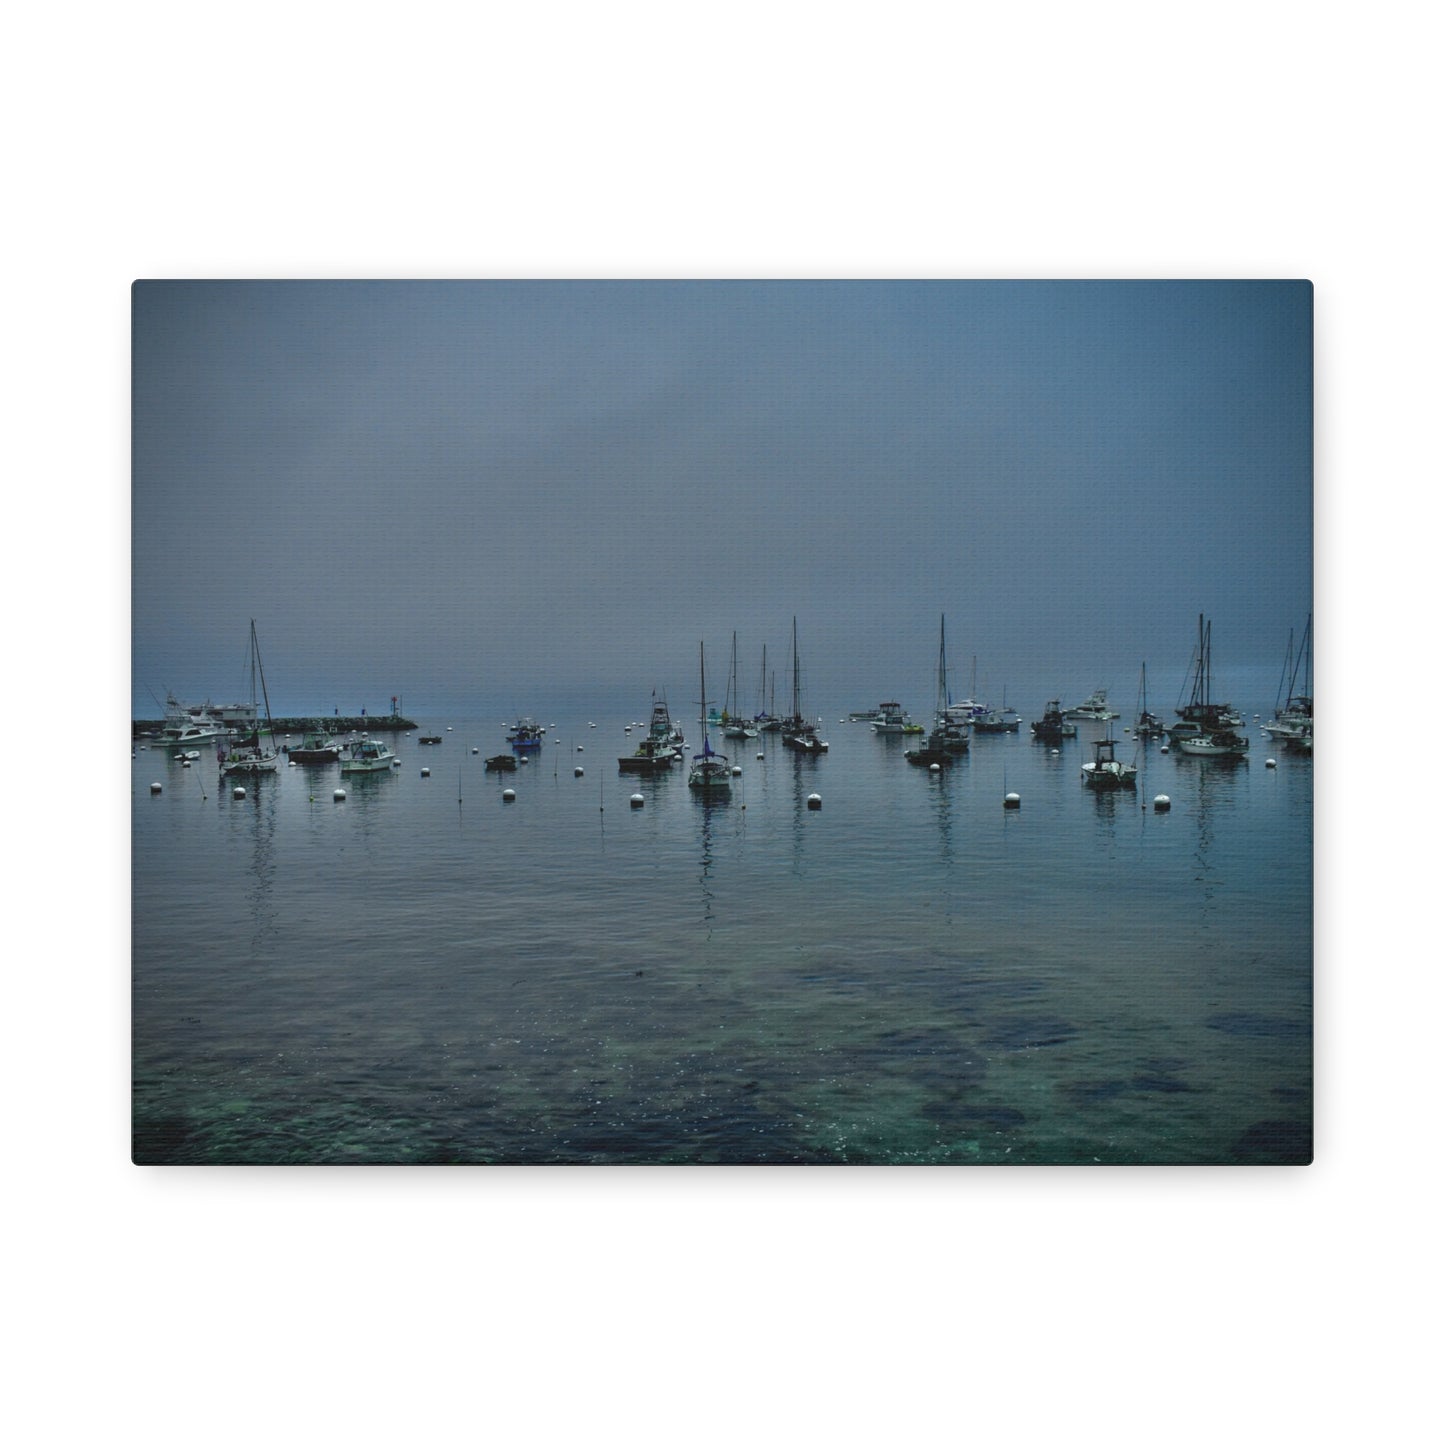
935	767
814	801
155	787
737	772
426	772
1161	803
1270	763
636	800
1165	748
339	796
509	795
760	757
475	751
1011	800
576	772
238	792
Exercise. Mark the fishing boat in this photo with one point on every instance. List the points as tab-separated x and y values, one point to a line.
431	739
892	718
500	763
525	735
1295	720
1148	725
798	733
1094	708
1106	771
368	755
255	754
660	749
709	776
1053	727
1206	728
996	720
317	746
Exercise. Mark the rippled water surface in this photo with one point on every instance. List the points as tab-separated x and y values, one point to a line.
425	973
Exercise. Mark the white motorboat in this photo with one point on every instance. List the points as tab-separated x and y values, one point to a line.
1106	771
1094	708
368	755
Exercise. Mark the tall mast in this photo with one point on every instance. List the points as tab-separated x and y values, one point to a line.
797	709
256	663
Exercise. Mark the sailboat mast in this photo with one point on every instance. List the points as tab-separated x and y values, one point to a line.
255	664
797	709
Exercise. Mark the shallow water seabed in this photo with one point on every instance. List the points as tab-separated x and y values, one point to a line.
903	977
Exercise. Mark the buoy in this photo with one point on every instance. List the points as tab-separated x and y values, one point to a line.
339	796
475	751
580	748
524	760
185	762
576	772
291	762
637	800
1053	752
1269	762
1011	800
814	801
155	787
737	772
1161	803
1165	748
760	757
426	772
238	792
935	767
508	795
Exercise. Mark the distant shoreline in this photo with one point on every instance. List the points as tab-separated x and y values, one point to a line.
386	724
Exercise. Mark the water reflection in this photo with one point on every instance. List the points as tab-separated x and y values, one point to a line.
254	818
705	869
1215	792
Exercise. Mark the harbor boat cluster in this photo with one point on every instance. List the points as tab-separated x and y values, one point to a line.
1206	727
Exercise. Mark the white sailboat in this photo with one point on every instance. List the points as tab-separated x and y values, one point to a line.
257	753
709	775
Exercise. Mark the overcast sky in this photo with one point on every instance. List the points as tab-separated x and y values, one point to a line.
490	497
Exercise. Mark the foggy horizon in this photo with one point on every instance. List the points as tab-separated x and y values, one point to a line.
489	497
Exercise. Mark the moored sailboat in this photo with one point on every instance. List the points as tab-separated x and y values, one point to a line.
1148	725
1206	728
709	776
255	754
1294	722
798	733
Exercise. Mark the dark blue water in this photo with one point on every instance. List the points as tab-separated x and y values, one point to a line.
425	973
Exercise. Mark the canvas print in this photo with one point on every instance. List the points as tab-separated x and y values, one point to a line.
722	722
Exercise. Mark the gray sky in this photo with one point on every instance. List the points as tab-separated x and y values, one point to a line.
493	497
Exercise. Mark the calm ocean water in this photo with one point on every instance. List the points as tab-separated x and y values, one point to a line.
911	974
